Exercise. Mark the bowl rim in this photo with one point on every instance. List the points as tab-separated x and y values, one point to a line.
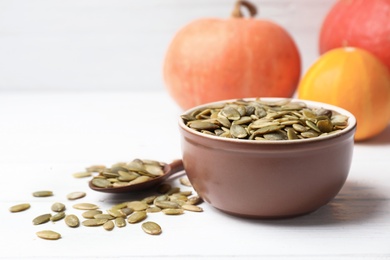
352	123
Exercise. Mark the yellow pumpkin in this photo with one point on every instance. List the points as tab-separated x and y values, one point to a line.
355	80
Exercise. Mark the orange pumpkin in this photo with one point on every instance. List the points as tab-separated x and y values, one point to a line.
355	80
359	23
215	59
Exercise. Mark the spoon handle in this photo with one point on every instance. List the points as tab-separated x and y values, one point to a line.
176	166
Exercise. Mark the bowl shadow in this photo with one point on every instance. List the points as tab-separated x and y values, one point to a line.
356	203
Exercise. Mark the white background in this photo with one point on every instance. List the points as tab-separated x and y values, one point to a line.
90	45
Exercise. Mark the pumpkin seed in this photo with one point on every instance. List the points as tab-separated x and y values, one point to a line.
58	216
76	195
82	174
172	211
151	228
109	225
185	181
94	222
43	193
85	206
103	216
190	207
136	217
194	200
149	200
137	205
72	221
96	168
19	207
120	222
167	204
101	183
48	234
116	213
58	207
41	219
126	211
153	209
91	213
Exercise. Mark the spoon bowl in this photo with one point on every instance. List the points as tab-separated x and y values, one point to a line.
169	169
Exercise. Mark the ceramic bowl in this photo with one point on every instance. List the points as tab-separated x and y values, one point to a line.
268	179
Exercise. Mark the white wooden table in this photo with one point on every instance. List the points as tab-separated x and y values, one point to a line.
45	138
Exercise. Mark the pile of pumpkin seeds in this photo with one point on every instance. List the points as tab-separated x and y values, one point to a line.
124	174
265	120
165	198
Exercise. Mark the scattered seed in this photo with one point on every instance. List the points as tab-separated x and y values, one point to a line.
58	216
41	219
109	225
185	181
137	205
85	206
58	207
167	204
120	222
170	211
94	222
136	217
91	213
153	209
103	216
190	207
48	234
19	207
151	228
76	195
43	193
72	220
82	174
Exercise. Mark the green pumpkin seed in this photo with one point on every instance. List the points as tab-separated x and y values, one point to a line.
185	181
151	228
72	221
190	207
172	211
85	206
58	216
167	204
76	195
101	183
19	207
91	213
120	222
94	222
58	207
137	205
153	209
41	219
48	234
82	174
43	193
136	217
109	225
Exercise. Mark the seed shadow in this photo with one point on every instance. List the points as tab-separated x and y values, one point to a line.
380	139
356	203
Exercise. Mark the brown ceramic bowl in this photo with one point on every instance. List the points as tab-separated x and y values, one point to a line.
268	179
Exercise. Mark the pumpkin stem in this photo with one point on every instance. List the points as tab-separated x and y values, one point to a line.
248	5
